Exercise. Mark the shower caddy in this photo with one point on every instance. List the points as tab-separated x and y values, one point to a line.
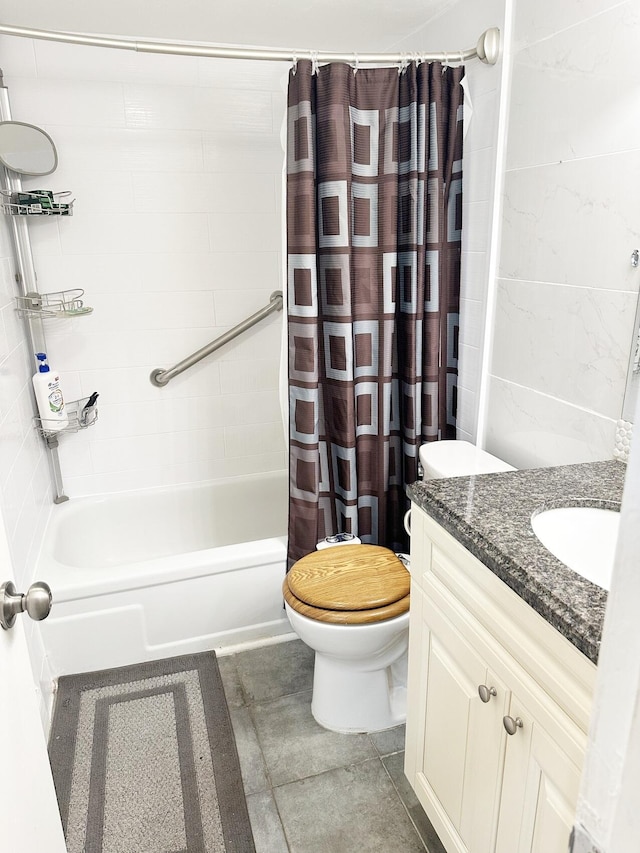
34	307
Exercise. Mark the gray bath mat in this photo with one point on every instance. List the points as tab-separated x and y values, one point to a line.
144	761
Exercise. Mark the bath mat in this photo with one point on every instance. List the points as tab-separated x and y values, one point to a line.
144	760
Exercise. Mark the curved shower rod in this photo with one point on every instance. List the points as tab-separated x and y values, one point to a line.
487	49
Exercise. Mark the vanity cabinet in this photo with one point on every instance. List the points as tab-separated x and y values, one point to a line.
482	660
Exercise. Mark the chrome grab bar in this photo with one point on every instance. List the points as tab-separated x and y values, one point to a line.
160	377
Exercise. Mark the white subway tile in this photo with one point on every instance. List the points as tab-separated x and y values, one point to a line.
136	311
126	385
241	74
158	272
230	309
122	149
167	475
478	179
157	450
180	108
467	419
75	452
258	407
208	193
245	153
18	58
250	375
43	101
237	232
261	341
62	61
472	315
474	275
245	269
96	348
134	232
469	367
44	237
164	415
476	232
100	192
483	127
254	440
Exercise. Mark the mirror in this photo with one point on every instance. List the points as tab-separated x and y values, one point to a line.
27	149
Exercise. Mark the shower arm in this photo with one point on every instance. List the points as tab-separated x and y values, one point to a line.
160	377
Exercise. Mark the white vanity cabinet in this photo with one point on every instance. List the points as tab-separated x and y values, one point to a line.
481	660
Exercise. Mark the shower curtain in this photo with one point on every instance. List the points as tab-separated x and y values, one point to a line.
374	221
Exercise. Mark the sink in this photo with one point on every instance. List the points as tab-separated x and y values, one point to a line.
582	537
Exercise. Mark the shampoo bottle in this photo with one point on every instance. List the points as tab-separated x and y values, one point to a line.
46	384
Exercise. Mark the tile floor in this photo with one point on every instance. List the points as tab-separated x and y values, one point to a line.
310	790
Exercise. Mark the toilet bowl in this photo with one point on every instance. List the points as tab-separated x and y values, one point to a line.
350	604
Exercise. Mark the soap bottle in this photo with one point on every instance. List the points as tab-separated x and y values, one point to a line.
51	408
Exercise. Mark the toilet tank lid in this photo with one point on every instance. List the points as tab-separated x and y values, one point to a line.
453	458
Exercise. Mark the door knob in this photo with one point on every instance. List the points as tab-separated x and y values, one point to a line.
512	725
36	601
486	693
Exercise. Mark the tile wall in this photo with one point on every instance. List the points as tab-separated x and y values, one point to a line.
566	292
175	164
25	492
460	27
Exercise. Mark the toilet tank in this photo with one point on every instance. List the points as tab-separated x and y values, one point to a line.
458	459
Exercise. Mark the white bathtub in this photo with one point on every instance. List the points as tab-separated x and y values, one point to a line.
151	574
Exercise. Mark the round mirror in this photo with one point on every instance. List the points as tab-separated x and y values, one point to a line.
27	149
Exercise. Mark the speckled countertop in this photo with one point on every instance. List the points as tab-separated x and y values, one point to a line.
490	514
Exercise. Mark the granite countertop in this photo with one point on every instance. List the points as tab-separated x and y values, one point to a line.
490	514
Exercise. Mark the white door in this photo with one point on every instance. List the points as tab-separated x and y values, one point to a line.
29	817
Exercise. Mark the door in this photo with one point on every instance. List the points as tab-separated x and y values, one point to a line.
462	739
29	817
540	784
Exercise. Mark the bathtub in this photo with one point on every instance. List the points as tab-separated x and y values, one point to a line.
143	575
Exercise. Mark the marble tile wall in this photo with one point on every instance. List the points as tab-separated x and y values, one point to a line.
566	292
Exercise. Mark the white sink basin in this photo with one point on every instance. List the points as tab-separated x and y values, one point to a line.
582	537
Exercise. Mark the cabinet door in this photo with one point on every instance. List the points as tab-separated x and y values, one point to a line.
540	785
462	741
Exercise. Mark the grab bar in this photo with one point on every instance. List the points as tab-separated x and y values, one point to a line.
160	377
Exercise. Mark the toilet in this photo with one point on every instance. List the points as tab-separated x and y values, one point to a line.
350	604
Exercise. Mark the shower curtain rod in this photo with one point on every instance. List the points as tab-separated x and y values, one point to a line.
487	49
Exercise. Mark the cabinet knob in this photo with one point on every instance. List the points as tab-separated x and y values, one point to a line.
512	725
486	693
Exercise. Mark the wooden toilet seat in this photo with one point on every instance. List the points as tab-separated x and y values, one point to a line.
348	585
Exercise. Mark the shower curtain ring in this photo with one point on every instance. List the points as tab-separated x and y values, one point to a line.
402	65
356	63
295	64
314	62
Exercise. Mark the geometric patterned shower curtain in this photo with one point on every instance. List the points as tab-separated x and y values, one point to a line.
374	221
